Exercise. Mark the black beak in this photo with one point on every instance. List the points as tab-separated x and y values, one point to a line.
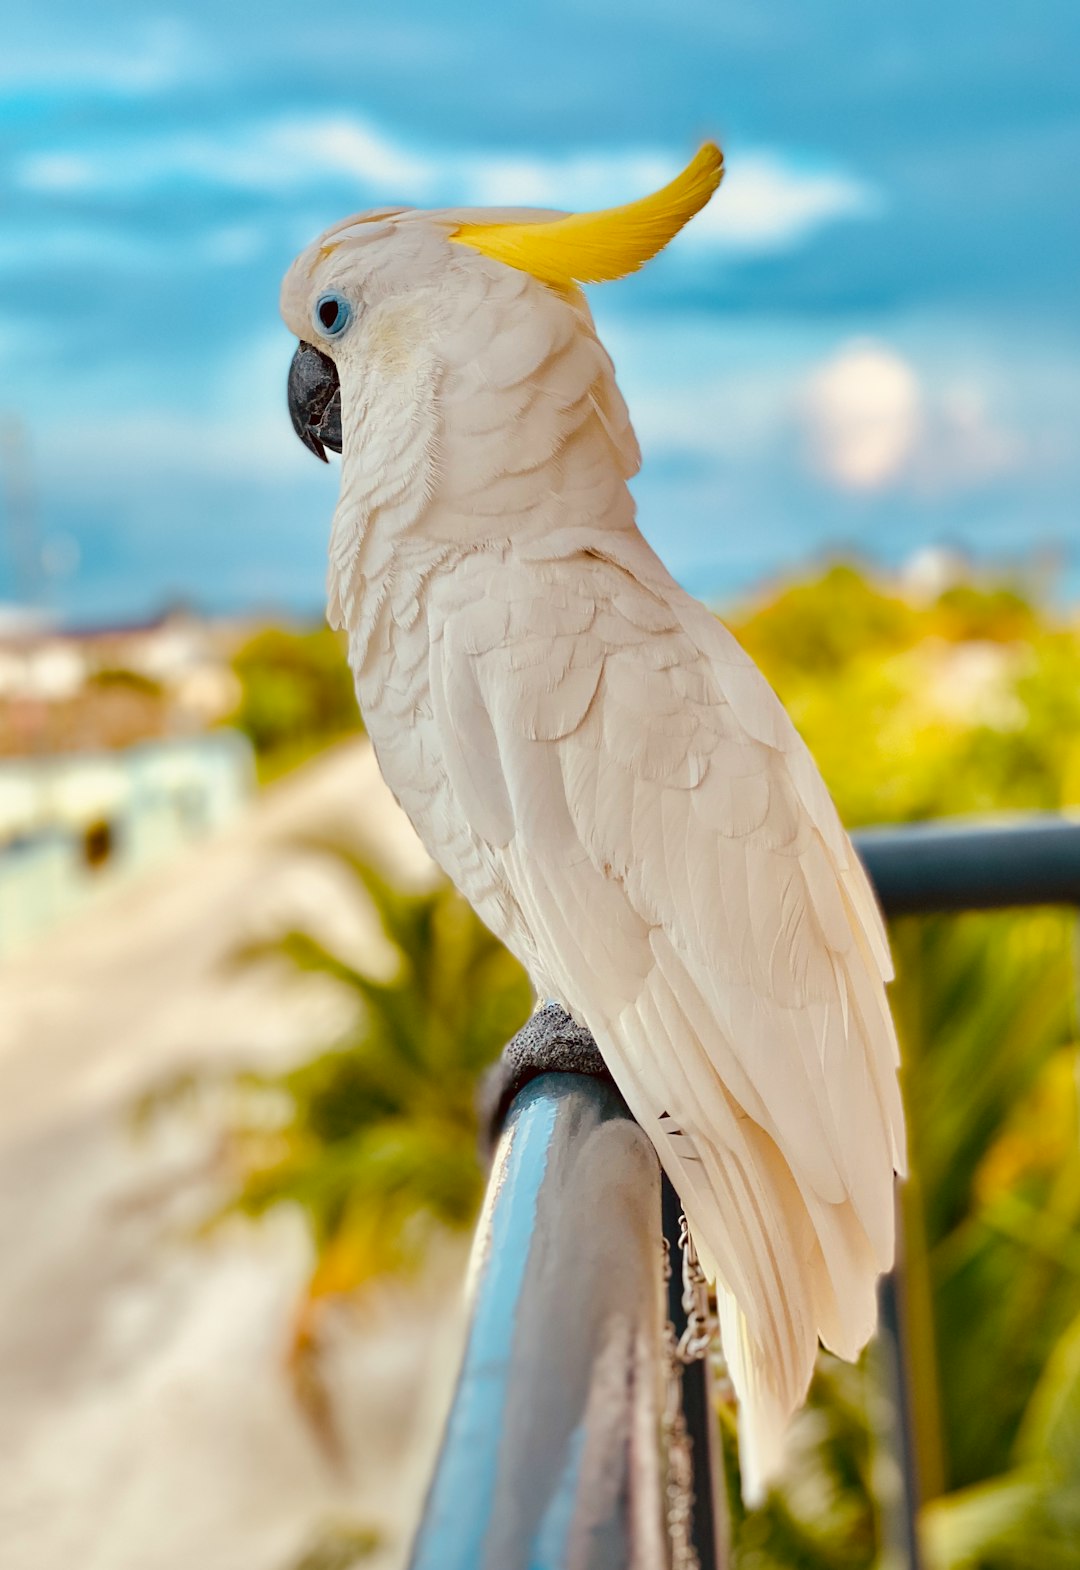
315	400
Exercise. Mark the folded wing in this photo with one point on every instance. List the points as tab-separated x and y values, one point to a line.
675	873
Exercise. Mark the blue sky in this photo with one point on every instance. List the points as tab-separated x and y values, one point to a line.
870	341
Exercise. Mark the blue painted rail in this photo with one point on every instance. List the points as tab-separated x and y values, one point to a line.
966	864
552	1455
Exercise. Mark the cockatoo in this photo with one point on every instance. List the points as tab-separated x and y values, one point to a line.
592	758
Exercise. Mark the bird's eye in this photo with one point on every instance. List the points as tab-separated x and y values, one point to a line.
331	314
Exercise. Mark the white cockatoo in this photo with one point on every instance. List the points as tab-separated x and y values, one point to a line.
592	758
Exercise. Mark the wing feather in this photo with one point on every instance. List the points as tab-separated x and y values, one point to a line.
689	893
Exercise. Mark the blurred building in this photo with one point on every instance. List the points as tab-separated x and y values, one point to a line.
111	686
106	760
75	824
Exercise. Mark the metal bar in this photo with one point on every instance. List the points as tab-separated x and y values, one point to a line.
901	1509
551	1455
970	865
710	1528
952	866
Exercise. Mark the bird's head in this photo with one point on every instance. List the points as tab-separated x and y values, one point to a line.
383	301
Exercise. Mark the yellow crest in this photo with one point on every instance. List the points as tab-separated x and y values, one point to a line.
598	247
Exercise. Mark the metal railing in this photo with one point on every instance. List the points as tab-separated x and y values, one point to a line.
558	1450
552	1433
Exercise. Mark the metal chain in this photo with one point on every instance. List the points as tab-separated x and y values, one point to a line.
701	1326
679	1451
680	1466
694	1344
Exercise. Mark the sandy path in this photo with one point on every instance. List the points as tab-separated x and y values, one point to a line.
145	1419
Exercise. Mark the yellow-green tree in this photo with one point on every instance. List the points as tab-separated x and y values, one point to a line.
966	703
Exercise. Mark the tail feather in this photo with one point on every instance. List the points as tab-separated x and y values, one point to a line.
789	1265
764	1412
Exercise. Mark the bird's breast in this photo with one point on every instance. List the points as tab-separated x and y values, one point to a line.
394	691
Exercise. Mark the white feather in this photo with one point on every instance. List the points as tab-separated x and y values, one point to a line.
603	772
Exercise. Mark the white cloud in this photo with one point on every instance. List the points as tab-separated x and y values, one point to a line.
863	415
767	202
341	144
268	156
872	423
580	181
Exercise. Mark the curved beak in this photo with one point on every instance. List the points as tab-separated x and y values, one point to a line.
315	400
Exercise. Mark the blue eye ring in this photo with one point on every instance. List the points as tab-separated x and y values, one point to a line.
331	314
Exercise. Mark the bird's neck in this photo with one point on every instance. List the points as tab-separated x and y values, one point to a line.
446	462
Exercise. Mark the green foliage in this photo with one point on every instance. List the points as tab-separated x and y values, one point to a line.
985	1010
339	1547
376	1139
824	1519
296	695
969	703
119	677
